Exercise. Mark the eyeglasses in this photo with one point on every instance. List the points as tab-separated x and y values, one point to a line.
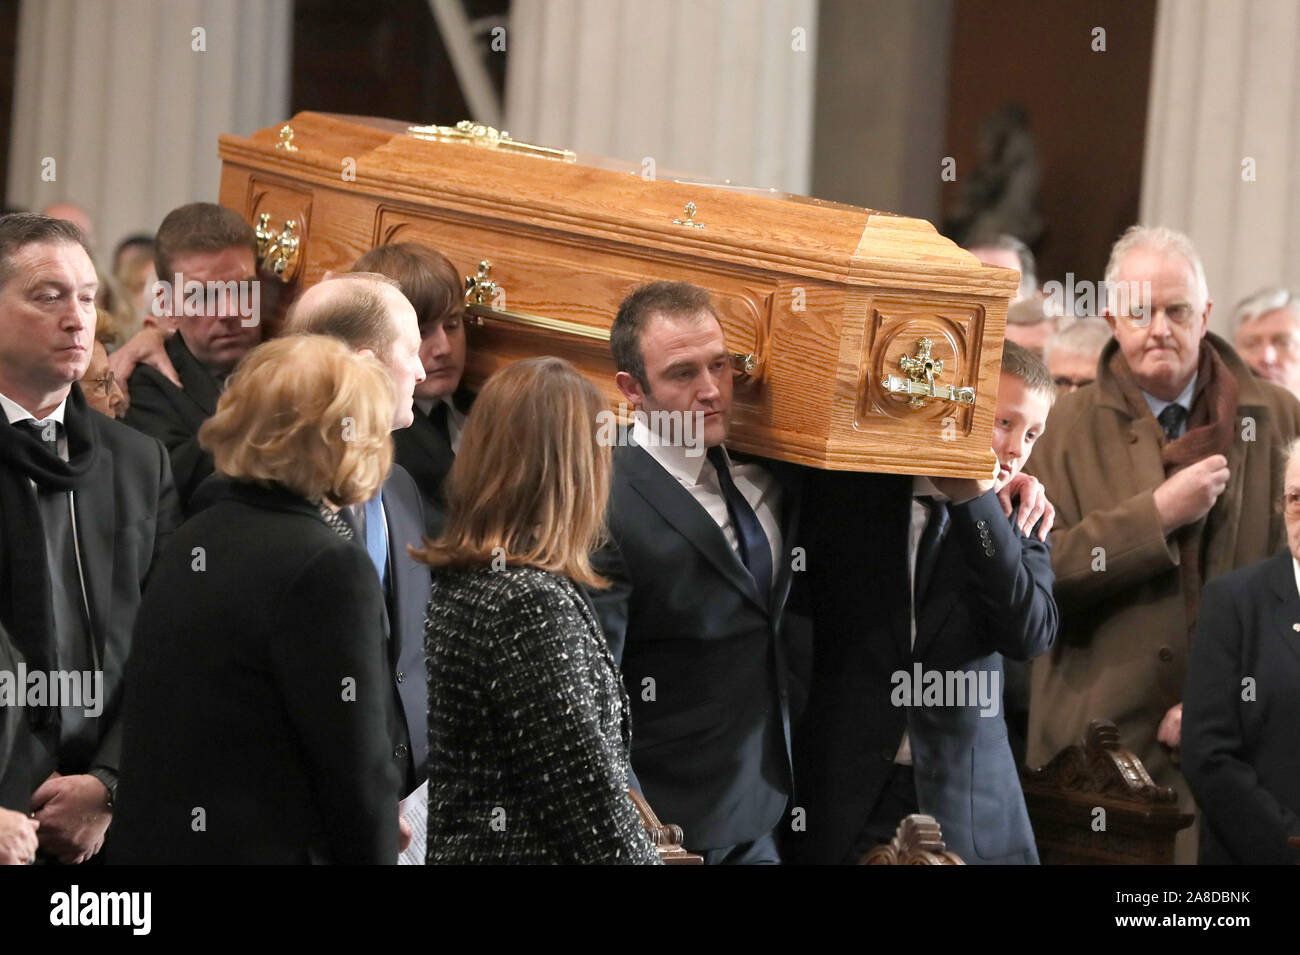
104	385
1179	314
1291	503
1066	384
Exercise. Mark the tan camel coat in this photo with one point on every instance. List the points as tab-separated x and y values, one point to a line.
1121	654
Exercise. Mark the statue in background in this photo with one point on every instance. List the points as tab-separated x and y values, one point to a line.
1000	196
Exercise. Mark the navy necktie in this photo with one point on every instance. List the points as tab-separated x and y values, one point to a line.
927	551
1171	419
752	543
438	415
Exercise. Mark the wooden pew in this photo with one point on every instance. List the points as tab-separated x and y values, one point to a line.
667	839
1137	822
918	841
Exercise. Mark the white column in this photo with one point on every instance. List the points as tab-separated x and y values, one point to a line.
1225	92
719	88
116	93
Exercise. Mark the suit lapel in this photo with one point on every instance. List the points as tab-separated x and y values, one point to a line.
1286	615
431	443
95	508
676	506
200	385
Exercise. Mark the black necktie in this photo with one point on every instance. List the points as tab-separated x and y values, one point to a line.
752	543
927	551
47	434
1171	419
438	415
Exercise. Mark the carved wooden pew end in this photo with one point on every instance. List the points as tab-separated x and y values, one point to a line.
1095	803
919	841
667	839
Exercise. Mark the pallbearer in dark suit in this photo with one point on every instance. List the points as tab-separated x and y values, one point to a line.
369	313
428	447
85	506
259	718
918	588
699	580
207	243
1241	707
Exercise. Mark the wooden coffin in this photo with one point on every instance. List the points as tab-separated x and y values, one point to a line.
863	340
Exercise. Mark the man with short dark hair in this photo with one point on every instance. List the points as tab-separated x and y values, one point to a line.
86	505
210	245
699	570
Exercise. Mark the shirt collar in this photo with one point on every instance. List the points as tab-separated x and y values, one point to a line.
426	405
1158	405
16	412
1295	564
923	487
682	462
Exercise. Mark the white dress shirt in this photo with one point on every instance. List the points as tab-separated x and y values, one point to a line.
1296	565
694	472
16	412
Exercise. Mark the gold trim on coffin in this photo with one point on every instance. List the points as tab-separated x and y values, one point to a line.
487	137
480	289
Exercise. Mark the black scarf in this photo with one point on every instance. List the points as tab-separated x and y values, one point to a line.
26	609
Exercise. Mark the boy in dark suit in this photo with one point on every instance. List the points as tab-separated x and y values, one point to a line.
918	587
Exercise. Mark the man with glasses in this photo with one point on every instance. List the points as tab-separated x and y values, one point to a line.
1268	336
1072	353
1164	474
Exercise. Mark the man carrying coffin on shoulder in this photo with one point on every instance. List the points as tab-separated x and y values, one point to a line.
699	580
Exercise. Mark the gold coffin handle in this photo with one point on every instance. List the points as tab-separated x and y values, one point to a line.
919	384
277	252
480	289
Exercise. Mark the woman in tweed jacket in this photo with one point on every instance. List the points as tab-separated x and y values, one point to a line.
528	718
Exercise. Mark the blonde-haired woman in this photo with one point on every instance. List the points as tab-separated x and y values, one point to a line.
256	728
528	718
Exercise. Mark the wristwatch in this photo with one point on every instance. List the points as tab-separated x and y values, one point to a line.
109	779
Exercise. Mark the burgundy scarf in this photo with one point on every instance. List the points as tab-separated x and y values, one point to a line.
1211	427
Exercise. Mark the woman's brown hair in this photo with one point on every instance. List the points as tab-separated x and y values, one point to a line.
531	481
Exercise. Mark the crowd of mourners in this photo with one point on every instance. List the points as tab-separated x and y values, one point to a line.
277	587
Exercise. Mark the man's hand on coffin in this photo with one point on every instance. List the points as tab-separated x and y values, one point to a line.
1033	504
146	347
73	813
961	490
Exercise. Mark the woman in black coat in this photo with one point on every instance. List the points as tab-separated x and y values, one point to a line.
257	708
528	719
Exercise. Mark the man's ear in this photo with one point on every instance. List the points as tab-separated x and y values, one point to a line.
1205	317
631	389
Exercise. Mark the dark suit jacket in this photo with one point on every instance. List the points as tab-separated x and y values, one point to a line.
123	519
260	694
710	749
174	415
990	594
1239	748
406	599
426	453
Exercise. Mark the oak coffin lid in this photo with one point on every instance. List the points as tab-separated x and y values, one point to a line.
835	307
